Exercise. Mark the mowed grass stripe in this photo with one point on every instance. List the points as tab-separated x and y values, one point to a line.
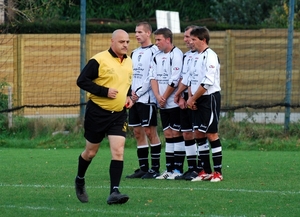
157	188
101	211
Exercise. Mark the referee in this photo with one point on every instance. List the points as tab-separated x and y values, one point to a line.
107	79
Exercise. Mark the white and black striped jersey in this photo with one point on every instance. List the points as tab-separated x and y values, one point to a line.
141	58
187	59
166	69
205	71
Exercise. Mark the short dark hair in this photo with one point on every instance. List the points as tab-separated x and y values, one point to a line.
190	27
146	25
167	33
201	33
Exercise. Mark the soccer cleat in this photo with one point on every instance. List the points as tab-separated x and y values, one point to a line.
117	198
151	174
182	177
202	176
137	174
174	175
216	177
81	192
191	175
164	175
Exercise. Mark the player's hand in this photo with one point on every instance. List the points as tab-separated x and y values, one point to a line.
191	104
182	103
112	93
162	101
134	97
176	98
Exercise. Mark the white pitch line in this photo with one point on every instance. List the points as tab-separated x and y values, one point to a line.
107	212
156	188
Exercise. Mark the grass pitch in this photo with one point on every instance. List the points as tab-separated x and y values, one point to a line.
40	182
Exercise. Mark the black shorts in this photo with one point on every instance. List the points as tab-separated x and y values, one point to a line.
170	118
99	122
186	117
206	117
141	114
186	120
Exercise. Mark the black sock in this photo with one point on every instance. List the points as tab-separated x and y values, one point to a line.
115	172
82	168
142	153
204	155
169	154
179	153
191	154
155	157
216	150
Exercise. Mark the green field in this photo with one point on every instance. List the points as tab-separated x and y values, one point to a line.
40	182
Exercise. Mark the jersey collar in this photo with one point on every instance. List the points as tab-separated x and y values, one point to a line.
115	55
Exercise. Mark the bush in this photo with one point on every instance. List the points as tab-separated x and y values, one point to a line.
241	12
70	27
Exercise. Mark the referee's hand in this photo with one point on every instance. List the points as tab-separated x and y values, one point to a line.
112	93
129	103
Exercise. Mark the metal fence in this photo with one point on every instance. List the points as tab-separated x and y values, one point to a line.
42	70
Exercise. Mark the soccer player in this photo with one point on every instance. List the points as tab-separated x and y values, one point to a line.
165	74
107	79
205	101
181	96
143	114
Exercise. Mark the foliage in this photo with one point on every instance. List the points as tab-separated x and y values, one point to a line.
92	27
114	9
234	14
43	127
63	27
248	135
245	135
46	10
241	12
127	10
279	16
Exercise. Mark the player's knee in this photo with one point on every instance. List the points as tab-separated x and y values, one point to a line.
212	136
137	133
188	135
149	134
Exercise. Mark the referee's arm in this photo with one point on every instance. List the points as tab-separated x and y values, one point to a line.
86	77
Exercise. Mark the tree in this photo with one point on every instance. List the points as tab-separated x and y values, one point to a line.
242	12
272	13
279	16
37	10
123	10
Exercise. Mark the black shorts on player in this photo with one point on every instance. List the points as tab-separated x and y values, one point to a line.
170	118
207	113
141	114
